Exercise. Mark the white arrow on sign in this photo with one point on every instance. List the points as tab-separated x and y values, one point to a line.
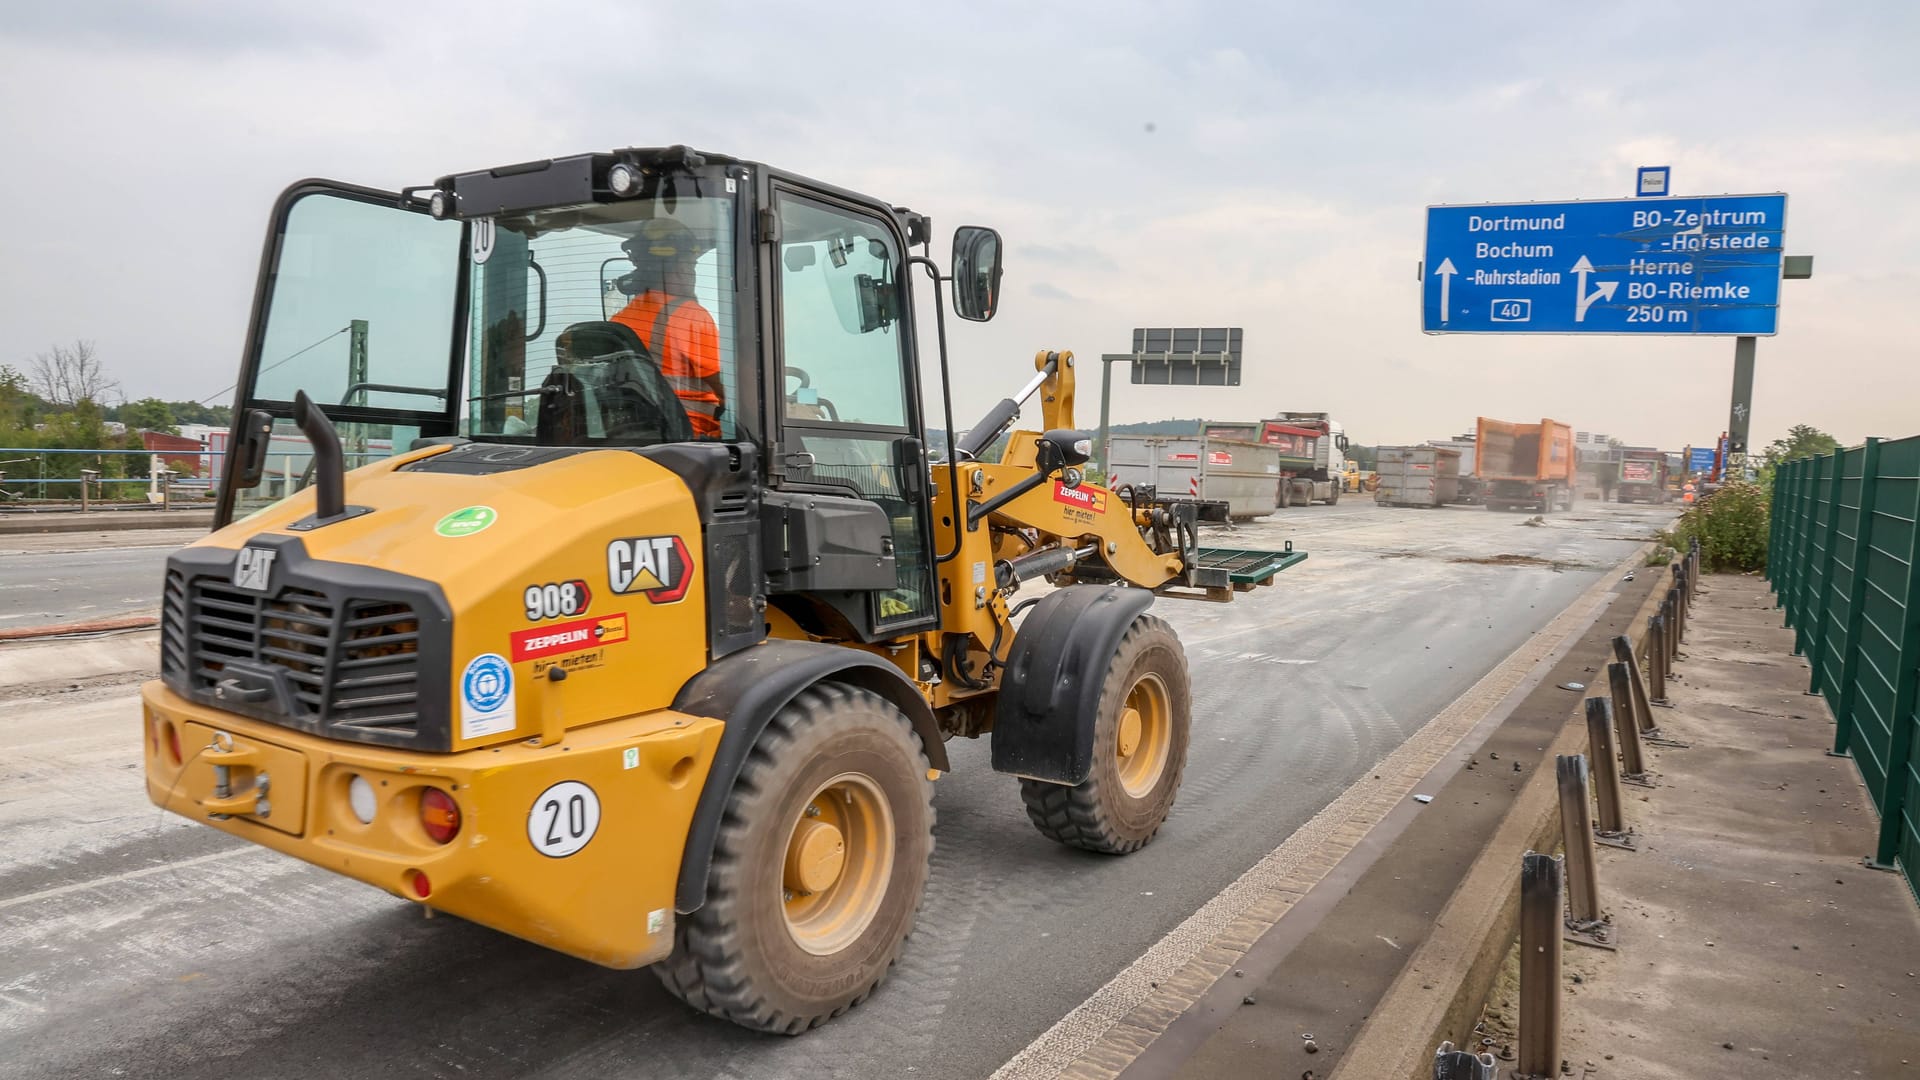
1583	300
1444	272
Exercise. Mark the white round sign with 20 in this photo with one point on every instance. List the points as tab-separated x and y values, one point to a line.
563	819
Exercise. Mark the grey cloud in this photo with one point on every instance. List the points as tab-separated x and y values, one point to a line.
1041	290
1080	256
202	27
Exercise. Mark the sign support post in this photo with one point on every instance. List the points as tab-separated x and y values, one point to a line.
1741	410
1178	356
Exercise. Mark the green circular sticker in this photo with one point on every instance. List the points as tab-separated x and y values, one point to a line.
467	521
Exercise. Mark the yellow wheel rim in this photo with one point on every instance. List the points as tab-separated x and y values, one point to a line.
1144	740
838	861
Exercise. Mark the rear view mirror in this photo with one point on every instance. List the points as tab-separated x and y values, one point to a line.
248	449
976	272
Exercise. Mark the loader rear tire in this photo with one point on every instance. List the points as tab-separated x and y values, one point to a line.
818	870
1139	750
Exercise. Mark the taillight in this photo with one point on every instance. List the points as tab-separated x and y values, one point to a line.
439	815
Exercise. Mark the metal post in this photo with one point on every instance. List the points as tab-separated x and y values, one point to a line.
1540	907
1601	753
1576	833
87	477
1633	760
1740	410
1623	652
1657	662
1679	619
1669	610
166	489
1106	399
356	375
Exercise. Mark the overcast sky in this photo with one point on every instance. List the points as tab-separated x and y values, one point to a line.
1261	164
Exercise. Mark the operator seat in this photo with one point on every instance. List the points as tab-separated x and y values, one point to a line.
607	388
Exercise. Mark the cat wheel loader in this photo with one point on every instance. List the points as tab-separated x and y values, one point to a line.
582	569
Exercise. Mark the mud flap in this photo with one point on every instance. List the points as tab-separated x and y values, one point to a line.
1050	690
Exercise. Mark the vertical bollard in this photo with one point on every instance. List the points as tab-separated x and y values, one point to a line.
1606	771
1671	633
1657	661
1680	614
1576	832
1623	652
1540	906
1633	761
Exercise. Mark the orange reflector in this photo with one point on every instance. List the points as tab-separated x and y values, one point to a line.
173	743
439	815
418	882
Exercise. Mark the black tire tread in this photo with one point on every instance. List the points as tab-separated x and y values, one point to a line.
705	969
1076	816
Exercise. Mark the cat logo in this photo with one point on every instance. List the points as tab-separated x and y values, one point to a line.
253	568
657	567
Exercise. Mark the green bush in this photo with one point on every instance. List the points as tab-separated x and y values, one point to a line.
1731	526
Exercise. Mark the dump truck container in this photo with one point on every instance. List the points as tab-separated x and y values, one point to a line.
1421	476
1643	477
1244	475
1525	465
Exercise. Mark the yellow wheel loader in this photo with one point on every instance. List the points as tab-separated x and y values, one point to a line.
584	571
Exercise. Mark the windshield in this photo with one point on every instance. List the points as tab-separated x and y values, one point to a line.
604	324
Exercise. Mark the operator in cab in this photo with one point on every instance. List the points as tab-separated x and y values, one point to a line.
674	327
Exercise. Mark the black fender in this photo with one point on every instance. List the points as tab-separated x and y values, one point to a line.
1050	687
745	689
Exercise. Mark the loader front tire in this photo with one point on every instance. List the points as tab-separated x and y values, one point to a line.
1139	750
818	870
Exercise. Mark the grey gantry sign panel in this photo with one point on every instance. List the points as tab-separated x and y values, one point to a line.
1187	356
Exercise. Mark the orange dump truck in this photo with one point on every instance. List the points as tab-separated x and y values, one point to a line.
1525	465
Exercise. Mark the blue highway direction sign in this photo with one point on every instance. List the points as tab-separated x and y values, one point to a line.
1686	265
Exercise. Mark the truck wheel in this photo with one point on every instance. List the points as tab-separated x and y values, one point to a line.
1286	494
1334	498
1139	750
818	869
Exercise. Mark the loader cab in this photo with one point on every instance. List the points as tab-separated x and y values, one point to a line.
527	312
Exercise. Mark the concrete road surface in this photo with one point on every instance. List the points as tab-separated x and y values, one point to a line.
136	944
73	577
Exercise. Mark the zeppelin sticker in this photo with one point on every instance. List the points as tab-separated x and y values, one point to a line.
1084	497
568	637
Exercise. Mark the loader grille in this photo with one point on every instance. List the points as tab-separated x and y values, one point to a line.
354	665
336	651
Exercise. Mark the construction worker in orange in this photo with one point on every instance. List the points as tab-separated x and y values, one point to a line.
1688	493
672	325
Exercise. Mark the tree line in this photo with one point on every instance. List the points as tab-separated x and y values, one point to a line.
64	400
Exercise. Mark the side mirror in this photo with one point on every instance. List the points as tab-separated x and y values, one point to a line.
248	452
976	272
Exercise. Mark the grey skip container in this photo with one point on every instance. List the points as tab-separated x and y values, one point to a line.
1244	475
1423	476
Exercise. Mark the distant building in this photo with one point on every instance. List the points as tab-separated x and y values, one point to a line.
181	454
